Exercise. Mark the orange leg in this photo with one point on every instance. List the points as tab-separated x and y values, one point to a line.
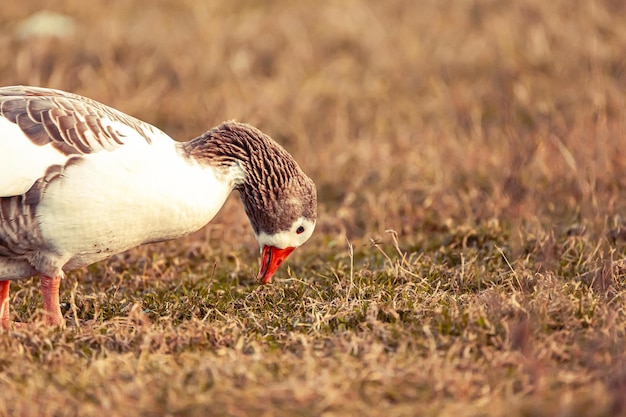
51	307
4	304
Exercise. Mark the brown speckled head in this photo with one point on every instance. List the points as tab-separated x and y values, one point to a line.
279	199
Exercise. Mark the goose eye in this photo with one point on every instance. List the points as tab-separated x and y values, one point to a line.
300	230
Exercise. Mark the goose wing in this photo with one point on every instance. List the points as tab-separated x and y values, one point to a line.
42	128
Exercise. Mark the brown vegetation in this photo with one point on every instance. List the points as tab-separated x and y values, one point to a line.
469	256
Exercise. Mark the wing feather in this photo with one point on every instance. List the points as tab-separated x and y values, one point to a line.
47	115
41	127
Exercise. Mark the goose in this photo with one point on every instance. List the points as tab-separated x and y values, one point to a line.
81	181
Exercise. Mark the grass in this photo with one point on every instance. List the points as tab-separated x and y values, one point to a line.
470	251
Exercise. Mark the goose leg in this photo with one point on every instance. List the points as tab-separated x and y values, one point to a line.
51	307
4	304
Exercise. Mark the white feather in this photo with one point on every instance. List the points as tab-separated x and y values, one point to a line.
21	161
288	238
135	194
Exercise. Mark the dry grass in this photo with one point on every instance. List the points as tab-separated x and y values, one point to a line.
488	135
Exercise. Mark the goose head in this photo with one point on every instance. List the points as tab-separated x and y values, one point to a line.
278	197
281	204
283	223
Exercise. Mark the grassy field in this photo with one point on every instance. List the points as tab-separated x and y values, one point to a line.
470	253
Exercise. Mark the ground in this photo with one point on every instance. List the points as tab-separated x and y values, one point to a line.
469	256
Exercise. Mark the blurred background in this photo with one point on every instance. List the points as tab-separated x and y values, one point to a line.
489	134
413	116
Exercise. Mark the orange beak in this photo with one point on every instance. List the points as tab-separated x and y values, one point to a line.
271	258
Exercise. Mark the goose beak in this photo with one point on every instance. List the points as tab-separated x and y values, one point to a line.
271	258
